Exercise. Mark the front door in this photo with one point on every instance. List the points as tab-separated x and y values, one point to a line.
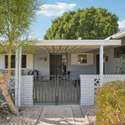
55	64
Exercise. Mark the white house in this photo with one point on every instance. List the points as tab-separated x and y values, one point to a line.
65	71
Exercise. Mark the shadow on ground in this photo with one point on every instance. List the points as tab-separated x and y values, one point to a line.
53	115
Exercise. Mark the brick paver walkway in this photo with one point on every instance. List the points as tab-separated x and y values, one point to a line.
54	115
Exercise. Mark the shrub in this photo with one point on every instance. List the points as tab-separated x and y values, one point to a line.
3	105
110	102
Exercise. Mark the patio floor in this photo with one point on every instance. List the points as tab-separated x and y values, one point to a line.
54	115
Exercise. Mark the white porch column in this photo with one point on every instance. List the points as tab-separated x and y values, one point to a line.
18	61
101	53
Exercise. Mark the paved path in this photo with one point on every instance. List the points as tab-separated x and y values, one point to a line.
55	115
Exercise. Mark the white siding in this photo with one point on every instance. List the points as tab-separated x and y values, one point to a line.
87	89
44	68
82	69
27	91
40	64
113	64
74	59
29	61
90	58
87	86
2	64
108	78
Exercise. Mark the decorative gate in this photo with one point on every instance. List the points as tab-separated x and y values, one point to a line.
57	90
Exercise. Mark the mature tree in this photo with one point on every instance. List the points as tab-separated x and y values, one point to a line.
15	19
90	23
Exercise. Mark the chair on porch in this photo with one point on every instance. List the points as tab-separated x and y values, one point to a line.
35	73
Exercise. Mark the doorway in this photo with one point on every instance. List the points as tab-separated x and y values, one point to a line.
55	64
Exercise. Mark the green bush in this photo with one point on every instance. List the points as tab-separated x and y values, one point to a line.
110	102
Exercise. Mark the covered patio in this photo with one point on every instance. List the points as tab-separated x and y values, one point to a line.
60	47
70	53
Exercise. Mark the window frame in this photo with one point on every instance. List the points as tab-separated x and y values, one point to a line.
13	62
118	51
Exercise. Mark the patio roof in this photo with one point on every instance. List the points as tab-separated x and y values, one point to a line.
78	43
65	44
61	46
118	35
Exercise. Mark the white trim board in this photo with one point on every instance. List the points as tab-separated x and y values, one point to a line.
77	42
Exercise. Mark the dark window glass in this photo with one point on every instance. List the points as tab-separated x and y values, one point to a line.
119	51
23	61
13	61
6	61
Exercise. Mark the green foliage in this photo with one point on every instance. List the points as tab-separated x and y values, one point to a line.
110	102
90	23
16	17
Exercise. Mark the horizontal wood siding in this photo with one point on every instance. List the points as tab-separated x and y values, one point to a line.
87	89
27	91
88	86
109	78
29	61
2	62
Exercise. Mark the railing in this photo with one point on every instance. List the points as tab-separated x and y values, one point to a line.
59	89
24	71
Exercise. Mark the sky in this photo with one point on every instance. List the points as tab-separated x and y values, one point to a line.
50	9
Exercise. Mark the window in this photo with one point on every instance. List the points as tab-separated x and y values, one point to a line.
23	61
82	58
13	61
119	51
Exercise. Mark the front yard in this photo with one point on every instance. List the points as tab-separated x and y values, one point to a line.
53	115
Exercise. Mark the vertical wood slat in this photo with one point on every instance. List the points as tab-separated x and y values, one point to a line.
27	91
57	90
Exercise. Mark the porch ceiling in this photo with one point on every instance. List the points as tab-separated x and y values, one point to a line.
65	46
66	49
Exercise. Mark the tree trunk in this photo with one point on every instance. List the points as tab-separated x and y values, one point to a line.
5	93
4	86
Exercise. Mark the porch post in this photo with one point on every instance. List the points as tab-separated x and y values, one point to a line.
18	77
101	64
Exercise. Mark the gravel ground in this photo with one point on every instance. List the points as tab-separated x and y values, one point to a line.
52	115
